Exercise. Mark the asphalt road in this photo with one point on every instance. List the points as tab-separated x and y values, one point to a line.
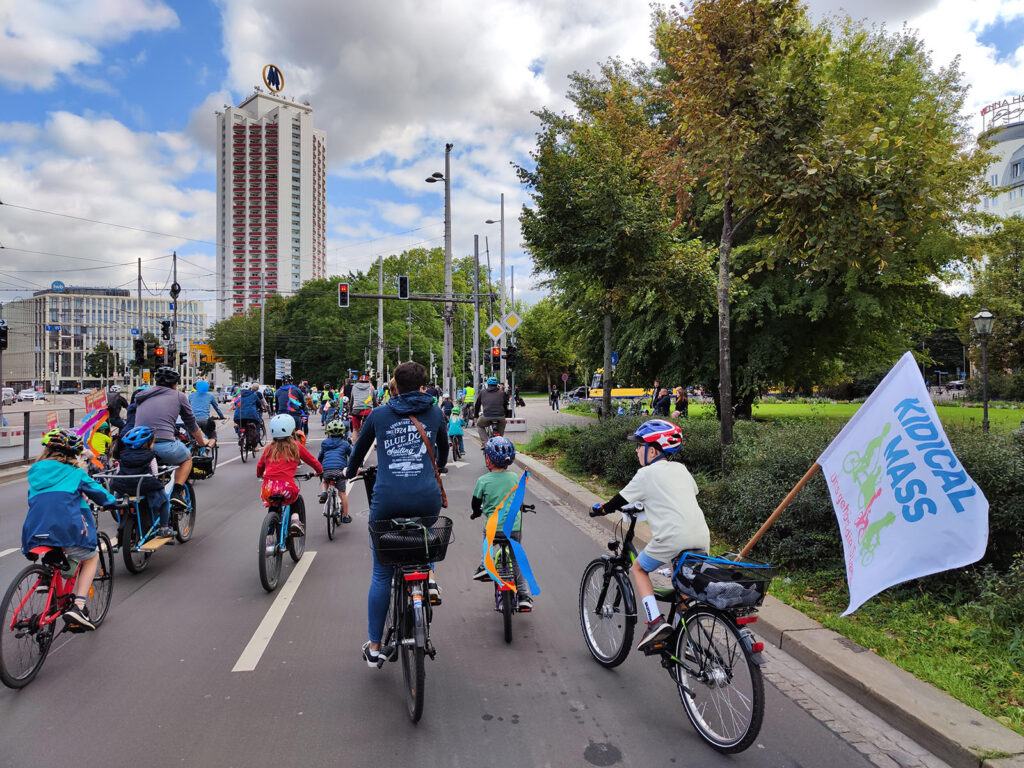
154	685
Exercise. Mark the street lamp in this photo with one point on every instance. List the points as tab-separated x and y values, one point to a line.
449	315
501	221
983	322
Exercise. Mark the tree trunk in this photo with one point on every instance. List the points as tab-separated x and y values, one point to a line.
606	380
724	357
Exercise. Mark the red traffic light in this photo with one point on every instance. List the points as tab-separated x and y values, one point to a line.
342	294
495	352
159	351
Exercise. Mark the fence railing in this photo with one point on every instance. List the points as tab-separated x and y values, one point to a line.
19	439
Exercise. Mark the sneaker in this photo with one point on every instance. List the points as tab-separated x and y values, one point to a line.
178	502
164	532
434	592
322	498
77	619
295	526
525	605
43	586
347	519
370	656
481	574
656	630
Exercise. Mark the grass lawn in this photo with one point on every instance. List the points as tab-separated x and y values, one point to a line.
1000	419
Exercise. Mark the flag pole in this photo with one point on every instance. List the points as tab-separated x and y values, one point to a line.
778	510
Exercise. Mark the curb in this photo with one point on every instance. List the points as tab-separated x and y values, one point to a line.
952	731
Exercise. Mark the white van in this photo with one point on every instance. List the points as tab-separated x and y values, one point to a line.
8	396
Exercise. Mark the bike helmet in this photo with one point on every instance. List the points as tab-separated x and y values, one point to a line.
287	379
336	428
344	398
64	441
202	386
167	376
364	377
492	382
282	426
115	389
500	451
663	434
137	437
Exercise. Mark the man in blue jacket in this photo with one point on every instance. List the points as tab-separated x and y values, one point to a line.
247	410
406	485
291	400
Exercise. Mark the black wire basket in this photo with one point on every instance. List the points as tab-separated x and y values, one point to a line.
408	541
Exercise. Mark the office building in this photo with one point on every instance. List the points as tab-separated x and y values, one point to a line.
1004	122
271	185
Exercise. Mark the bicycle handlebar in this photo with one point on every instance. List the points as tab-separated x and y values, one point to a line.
306	476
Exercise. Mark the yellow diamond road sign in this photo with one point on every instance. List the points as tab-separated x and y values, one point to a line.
512	321
495	331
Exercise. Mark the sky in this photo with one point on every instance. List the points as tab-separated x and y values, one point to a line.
107	117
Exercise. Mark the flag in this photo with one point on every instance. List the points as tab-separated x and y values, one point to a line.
513	501
905	505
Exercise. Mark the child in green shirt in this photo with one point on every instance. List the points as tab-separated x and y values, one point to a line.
490	489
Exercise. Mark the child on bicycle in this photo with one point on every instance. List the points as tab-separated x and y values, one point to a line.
669	495
138	457
278	463
455	433
334	453
59	517
491	489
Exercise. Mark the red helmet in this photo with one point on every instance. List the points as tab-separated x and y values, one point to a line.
664	434
364	377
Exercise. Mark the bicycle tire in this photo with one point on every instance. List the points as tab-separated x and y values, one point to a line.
724	696
185	525
270	555
242	449
413	667
129	538
22	657
329	511
102	589
506	614
609	634
297	544
216	459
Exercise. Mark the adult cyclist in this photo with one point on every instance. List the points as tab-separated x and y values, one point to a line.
201	401
406	485
115	405
363	400
490	409
159	408
248	409
291	400
468	401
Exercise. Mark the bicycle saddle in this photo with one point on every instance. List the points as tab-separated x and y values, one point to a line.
52	556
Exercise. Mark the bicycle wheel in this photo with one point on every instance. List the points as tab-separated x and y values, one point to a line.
719	684
262	435
412	651
216	458
297	544
129	538
185	525
270	555
23	642
329	511
243	446
506	614
608	631
102	589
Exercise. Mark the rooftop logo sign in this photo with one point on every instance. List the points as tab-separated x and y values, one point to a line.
1003	112
273	78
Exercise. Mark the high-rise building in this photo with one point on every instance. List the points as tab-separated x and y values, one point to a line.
271	186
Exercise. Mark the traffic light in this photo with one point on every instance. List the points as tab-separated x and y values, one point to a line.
403	286
165	329
182	358
140	351
343	295
495	354
150	349
3	334
159	351
510	356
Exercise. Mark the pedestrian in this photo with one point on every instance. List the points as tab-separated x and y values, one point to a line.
553	398
662	403
682	410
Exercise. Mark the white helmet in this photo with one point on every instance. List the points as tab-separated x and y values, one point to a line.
115	389
344	398
281	426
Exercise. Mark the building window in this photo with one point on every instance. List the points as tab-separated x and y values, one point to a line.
1015	170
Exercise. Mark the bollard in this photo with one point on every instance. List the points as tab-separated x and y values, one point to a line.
28	417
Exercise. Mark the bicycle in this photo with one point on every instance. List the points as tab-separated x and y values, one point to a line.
711	654
137	525
248	440
506	599
411	546
456	453
37	597
332	507
276	536
204	460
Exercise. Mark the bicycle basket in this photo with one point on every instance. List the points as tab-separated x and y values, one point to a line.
405	541
724	584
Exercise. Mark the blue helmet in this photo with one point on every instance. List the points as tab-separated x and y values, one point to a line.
500	451
662	434
492	382
137	437
202	386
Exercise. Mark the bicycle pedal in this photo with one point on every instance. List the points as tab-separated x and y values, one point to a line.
656	648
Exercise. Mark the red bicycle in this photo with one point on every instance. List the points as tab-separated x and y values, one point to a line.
36	599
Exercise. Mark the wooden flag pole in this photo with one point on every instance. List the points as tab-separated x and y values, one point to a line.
778	510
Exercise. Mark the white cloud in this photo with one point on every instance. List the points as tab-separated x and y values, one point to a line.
42	39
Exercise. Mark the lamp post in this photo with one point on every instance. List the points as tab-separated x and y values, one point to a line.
501	221
449	315
983	322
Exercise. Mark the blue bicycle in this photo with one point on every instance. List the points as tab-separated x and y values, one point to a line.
276	536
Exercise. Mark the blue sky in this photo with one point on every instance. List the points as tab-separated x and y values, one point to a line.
108	115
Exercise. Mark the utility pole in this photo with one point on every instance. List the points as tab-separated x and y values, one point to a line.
476	314
503	371
380	316
138	300
263	322
175	288
446	365
490	293
409	324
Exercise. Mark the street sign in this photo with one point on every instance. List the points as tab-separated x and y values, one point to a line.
135	331
171	307
282	366
565	377
51	420
495	331
95	400
615	358
512	321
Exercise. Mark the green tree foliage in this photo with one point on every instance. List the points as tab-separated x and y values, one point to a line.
102	361
545	343
997	278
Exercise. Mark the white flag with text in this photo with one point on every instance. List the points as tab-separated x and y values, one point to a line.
906	507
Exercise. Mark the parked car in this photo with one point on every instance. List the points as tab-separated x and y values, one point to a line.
581	391
955	386
8	396
72	390
226	394
30	394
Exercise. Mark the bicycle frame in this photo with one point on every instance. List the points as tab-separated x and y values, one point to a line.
61	589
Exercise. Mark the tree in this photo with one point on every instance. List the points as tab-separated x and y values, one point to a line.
102	361
997	279
597	225
544	341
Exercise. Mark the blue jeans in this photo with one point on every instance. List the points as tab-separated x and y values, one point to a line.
159	507
379	597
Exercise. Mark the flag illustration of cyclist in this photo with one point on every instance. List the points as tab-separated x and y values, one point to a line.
865	469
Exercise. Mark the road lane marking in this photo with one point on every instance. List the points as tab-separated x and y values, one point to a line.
8	551
265	631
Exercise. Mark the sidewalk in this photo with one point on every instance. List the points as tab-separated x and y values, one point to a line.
950	730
